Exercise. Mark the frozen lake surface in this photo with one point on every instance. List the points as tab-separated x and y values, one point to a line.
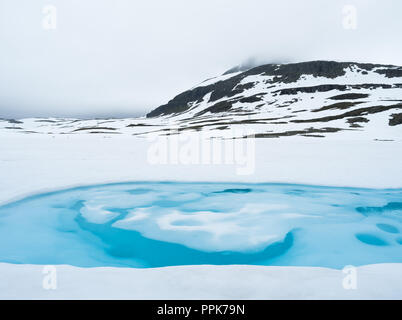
156	224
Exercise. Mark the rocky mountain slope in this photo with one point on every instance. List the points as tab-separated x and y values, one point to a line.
313	99
310	98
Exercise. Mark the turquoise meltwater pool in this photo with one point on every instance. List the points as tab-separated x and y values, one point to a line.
157	224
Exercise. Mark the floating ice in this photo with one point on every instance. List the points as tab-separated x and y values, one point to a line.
163	224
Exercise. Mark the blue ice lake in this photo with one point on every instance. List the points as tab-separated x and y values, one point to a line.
158	224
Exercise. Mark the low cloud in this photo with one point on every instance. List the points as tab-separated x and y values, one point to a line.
127	57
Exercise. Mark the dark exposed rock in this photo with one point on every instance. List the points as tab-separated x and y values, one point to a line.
313	135
314	89
355	125
227	105
198	125
94	128
353	113
104	132
251	99
339	87
396	119
350	96
207	121
305	132
222	128
218	107
46	121
357	120
141	125
391	73
14	121
338	105
181	102
293	71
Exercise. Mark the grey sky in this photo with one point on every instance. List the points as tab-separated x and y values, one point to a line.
126	57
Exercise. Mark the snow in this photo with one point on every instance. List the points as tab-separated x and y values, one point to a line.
34	163
39	155
288	109
200	282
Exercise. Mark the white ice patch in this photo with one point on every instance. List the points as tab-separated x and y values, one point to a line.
97	213
133	216
251	227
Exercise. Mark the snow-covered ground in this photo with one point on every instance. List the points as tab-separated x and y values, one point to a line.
200	282
32	163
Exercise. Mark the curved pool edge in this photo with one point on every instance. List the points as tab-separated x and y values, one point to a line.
277	209
104	183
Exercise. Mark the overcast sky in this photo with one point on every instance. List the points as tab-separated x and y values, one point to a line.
126	57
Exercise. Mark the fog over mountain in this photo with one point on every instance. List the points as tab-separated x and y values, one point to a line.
124	58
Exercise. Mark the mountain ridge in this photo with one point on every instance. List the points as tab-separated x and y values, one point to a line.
282	73
319	99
